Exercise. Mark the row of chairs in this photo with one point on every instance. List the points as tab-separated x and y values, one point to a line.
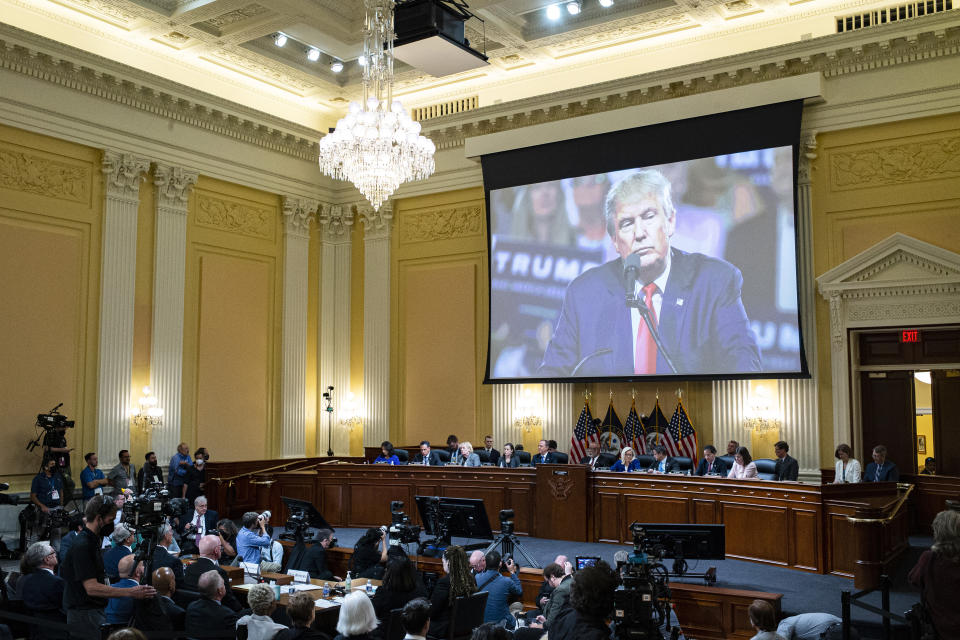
465	616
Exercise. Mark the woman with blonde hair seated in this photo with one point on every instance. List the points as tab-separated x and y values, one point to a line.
627	462
357	619
743	465
469	458
847	468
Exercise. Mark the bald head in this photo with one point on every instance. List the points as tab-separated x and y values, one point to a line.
164	581
210	547
125	568
477	561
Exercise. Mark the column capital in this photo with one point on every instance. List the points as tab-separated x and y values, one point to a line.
808	153
173	187
123	173
335	222
296	216
376	223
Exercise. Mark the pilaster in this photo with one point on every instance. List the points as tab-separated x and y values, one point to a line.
377	227
123	173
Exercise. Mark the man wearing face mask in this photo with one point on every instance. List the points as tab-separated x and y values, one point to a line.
691	301
86	592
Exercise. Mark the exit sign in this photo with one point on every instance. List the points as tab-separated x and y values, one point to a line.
910	335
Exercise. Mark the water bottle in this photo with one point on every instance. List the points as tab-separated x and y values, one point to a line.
348	583
326	589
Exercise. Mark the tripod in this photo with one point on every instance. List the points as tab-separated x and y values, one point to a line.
510	544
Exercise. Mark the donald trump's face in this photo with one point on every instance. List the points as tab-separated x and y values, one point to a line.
643	226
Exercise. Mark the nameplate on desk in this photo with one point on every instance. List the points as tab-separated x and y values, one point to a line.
561	473
299	576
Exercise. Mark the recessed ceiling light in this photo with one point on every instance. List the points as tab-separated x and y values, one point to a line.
573	8
553	12
313	55
280	39
606	4
336	66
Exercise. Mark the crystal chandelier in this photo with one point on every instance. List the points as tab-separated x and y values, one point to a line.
377	146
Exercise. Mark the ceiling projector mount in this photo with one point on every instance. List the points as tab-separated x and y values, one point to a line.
430	36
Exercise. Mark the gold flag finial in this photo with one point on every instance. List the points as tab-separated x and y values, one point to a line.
611	395
633	394
679	394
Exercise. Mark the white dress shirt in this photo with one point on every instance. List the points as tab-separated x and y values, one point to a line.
635	317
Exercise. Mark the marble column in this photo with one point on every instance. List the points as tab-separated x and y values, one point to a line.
296	241
173	186
123	173
377	226
336	223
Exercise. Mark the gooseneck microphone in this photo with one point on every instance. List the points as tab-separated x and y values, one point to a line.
598	352
631	272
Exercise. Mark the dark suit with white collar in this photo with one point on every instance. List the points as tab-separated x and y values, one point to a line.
191	576
719	467
787	468
887	472
163	558
702	322
546	458
669	465
433	459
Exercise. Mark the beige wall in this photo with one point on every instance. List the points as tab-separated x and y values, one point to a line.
50	216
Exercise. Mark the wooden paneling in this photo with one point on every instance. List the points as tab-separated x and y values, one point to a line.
946	417
805	540
888	416
929	497
655	508
756	532
716	613
705	511
562	501
607	527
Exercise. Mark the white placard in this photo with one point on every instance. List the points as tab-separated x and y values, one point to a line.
299	576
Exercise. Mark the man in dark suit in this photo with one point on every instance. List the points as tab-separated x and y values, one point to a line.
196	523
710	464
315	559
544	455
787	468
426	456
160	613
122	539
593	455
207	616
692	300
881	469
209	561
42	590
662	463
492	454
162	556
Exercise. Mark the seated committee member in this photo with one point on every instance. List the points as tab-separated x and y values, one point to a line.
544	455
937	574
427	457
881	469
467	457
593	454
732	447
743	465
509	459
787	468
710	464
847	468
493	456
453	448
692	299
627	462
662	463
387	456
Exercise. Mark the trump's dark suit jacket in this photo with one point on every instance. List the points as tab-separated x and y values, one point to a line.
702	322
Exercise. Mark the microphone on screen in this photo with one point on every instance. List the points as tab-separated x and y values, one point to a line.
631	271
598	352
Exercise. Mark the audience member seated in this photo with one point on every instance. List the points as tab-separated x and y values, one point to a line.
929	467
259	625
370	554
427	456
457	581
467	457
41	589
493	456
161	613
881	469
710	464
252	538
627	462
499	589
387	456
209	561
74	527
787	468
478	563
207	616
847	468
357	619
300	608
162	556
120	610
415	619
743	466
122	539
544	455
509	459
937	575
489	631
591	601
662	463
197	523
813	626
228	538
401	584
560	581
763	618
314	560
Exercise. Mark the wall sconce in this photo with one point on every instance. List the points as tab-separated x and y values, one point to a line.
147	414
350	412
761	417
528	413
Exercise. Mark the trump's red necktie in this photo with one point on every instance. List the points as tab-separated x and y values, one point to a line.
645	354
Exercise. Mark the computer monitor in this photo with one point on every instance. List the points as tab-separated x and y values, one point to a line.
447	517
687	541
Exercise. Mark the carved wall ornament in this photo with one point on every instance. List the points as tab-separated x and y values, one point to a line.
808	153
123	173
897	163
933	309
237	15
173	186
930	268
42	176
376	224
560	486
296	215
245	218
335	220
441	224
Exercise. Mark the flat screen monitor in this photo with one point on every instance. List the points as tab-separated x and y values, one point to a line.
690	541
465	517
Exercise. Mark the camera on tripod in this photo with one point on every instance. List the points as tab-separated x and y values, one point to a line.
50	421
401	531
642	601
152	507
506	522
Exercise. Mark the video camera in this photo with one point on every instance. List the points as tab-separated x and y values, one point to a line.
50	421
642	601
5	498
303	516
151	508
401	531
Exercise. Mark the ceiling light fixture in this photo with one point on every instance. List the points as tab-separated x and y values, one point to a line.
553	12
573	8
362	61
377	146
313	54
606	4
280	39
336	66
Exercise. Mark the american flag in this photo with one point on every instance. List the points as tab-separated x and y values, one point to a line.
633	432
584	434
682	434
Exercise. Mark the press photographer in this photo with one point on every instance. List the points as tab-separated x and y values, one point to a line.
148	514
46	496
55	425
253	537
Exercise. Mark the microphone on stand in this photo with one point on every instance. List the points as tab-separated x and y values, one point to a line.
631	272
598	352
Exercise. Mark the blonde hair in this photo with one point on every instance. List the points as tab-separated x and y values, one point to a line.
623	451
467	446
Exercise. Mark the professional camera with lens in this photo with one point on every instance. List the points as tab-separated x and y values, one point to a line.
642	601
506	522
49	422
401	531
151	508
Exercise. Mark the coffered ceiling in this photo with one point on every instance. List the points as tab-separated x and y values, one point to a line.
226	47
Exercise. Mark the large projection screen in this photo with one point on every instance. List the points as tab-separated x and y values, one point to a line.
658	252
